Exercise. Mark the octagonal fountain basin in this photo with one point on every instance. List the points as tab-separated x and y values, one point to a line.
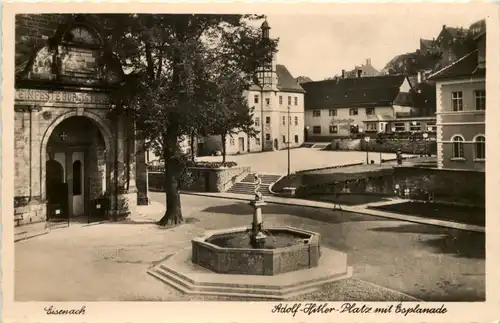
229	251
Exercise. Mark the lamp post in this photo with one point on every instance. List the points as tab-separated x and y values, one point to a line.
367	140
289	121
425	135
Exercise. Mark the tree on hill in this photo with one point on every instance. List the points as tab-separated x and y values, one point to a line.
303	79
171	93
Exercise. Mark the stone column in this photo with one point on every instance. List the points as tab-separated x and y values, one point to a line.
126	199
22	185
141	174
35	168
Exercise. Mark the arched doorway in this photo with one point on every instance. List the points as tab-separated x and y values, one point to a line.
78	146
57	191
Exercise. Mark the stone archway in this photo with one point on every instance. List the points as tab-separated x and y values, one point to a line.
97	121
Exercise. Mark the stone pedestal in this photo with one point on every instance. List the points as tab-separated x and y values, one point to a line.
257	237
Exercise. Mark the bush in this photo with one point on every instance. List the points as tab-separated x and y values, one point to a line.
201	164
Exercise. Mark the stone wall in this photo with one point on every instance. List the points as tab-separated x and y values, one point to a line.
407	147
204	179
450	186
33	31
389	146
345	144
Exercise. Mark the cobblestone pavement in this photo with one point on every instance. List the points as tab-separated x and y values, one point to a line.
108	262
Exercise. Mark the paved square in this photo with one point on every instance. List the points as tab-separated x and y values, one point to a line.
109	262
276	162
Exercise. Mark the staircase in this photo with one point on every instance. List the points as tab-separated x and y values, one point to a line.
246	186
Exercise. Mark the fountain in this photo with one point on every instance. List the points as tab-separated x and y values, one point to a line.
255	261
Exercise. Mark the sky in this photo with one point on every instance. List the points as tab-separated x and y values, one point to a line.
321	45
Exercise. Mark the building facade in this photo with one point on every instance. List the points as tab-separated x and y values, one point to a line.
333	107
461	111
69	149
278	112
363	70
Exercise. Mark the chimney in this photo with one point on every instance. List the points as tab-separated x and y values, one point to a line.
343	74
444	26
368	62
359	73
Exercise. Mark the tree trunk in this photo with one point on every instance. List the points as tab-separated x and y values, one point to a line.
191	143
223	137
173	212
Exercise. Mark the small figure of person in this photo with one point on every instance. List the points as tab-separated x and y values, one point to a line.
336	205
399	157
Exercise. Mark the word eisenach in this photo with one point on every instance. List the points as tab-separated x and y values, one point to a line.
51	310
61	96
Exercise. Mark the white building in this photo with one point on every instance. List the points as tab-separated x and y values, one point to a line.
278	110
332	107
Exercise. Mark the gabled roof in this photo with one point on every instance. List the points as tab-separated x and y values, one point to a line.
454	31
427	43
353	92
463	68
286	82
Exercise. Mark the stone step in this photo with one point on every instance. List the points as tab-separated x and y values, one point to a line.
290	286
188	286
187	291
27	231
219	289
266	178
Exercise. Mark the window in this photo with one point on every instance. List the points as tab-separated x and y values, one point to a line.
257	121
281	99
332	112
458	147
296	121
256	99
353	112
296	100
284	120
289	100
370	111
268	101
316	113
457	101
77	178
284	139
371	127
334	129
257	141
268	136
317	129
399	127
289	120
231	141
480	97
480	147
296	139
415	126
431	126
268	120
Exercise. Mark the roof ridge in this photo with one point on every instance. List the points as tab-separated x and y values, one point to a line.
452	64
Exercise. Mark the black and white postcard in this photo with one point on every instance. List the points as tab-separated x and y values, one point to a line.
252	162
